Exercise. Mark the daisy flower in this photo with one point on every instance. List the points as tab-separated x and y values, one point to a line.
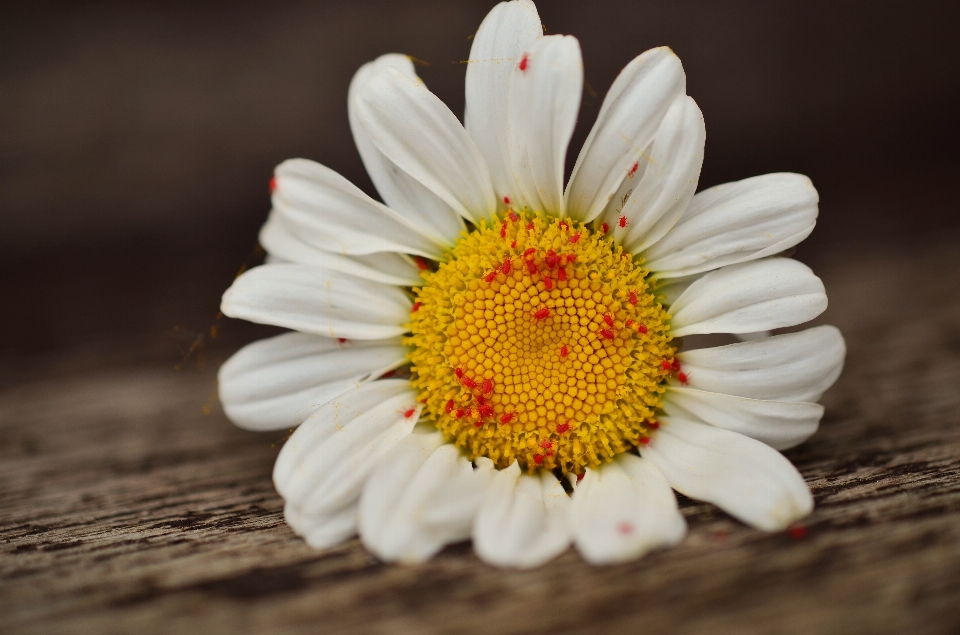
492	354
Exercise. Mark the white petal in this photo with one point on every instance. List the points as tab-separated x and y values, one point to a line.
779	424
322	531
386	267
325	210
748	297
323	466
623	510
652	200
790	367
523	520
399	190
508	31
415	130
317	301
629	118
543	103
737	222
423	496
278	382
669	290
745	478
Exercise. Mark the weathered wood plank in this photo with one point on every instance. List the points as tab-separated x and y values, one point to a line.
124	508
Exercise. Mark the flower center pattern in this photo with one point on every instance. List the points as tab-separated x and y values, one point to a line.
540	341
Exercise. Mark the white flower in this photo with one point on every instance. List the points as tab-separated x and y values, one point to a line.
545	402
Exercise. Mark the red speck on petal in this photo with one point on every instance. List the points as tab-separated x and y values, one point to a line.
633	170
273	184
653	425
538	459
625	528
605	228
449	407
342	340
421	264
676	364
683	378
643	441
523	62
542	314
506	200
797	532
580	476
623	221
409	413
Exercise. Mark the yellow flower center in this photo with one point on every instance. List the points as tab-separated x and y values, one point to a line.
540	341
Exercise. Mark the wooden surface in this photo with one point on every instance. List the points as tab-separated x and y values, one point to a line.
125	508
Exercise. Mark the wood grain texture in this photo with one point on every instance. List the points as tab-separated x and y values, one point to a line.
124	508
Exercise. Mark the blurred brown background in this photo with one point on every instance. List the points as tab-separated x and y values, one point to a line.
137	138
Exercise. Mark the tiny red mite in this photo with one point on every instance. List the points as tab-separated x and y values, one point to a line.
665	365
542	314
633	297
506	267
469	383
506	418
415	307
548	283
608	319
564	351
459	372
575	238
607	334
409	413
622	222
523	62
642	328
449	407
605	228
538	459
487	386
506	200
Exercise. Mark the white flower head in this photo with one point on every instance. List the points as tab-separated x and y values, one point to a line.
541	400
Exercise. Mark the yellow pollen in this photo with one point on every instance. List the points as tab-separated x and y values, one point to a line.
540	341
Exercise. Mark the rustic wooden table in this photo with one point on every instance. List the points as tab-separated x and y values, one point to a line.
125	507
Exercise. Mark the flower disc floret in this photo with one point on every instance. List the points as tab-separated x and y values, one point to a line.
540	341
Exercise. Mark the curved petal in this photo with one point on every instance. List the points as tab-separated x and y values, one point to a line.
790	367
623	510
322	531
630	116
323	466
649	202
749	297
423	496
399	190
747	479
737	222
543	103
317	301
385	267
327	211
508	31
278	382
523	520
779	424
415	130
